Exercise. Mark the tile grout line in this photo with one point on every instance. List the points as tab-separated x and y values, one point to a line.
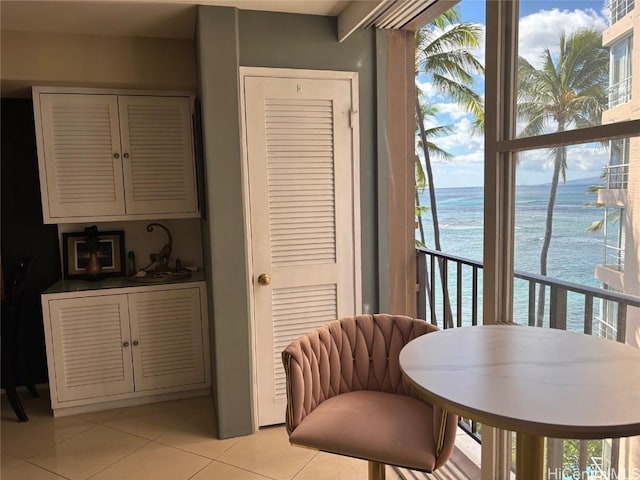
206	466
246	470
305	465
120	459
193	453
55	444
150	441
46	469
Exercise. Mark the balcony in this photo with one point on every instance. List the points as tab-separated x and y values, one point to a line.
620	8
449	295
463	287
620	92
617	176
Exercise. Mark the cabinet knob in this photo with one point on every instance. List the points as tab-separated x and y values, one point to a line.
125	344
135	343
126	155
116	155
264	279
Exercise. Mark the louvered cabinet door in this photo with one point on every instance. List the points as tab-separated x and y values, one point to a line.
159	170
82	162
89	336
166	331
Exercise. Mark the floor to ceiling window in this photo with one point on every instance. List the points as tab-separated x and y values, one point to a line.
561	109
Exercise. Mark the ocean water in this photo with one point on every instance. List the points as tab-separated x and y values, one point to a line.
573	253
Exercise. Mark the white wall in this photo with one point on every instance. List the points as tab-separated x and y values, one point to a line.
186	233
56	59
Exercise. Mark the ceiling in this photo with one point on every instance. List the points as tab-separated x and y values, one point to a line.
141	18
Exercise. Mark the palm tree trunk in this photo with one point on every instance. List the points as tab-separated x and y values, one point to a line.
544	253
423	241
419	215
448	320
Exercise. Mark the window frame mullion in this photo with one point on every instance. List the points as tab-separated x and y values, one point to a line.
499	198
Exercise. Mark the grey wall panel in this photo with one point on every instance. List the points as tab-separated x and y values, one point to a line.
216	37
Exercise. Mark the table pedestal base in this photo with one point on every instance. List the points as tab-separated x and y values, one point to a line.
529	457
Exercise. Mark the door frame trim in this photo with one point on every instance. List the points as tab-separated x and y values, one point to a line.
352	77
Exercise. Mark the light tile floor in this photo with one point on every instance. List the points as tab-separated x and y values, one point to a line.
163	441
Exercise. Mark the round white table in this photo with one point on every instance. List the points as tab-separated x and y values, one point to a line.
535	381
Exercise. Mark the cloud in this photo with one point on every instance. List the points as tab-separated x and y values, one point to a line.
542	29
453	110
535	161
587	158
463	175
473	158
426	88
463	139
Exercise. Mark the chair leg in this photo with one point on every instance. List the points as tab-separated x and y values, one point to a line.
16	404
376	470
32	390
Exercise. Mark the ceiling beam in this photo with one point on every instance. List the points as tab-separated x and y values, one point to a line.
355	15
438	7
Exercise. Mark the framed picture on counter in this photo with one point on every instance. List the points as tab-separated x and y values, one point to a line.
110	252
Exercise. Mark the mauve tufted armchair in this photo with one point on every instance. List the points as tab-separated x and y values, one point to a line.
346	395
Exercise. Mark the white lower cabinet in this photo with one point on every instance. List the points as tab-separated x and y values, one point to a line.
122	346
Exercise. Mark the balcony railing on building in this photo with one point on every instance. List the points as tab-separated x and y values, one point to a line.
613	257
617	176
620	8
620	92
449	295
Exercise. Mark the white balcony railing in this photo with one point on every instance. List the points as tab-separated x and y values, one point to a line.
620	8
614	257
620	92
617	176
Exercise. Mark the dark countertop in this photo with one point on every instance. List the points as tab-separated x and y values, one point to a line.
64	286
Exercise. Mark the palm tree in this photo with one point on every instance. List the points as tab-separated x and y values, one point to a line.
568	91
427	110
443	53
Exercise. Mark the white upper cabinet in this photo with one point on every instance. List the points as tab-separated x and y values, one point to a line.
114	157
157	154
82	161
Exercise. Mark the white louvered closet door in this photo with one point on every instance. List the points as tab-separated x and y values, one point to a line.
90	356
166	333
300	169
159	174
81	143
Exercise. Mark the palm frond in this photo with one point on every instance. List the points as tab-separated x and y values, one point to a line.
596	226
591	189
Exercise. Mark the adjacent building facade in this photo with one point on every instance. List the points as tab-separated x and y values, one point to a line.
620	270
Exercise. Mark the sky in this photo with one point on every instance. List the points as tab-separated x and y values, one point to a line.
541	22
